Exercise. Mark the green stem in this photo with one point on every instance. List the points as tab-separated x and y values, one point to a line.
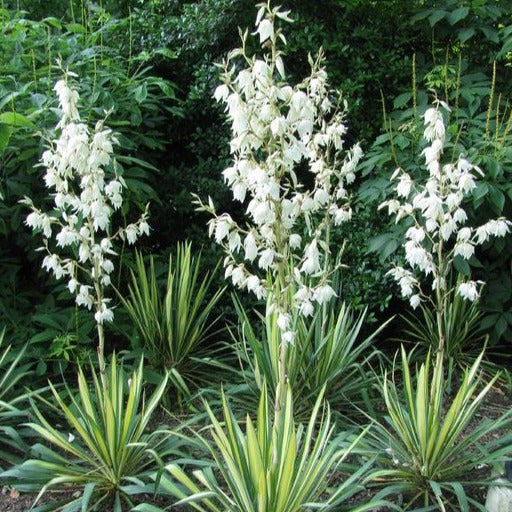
101	335
440	296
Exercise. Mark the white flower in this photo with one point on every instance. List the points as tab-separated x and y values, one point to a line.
405	279
68	100
72	285
464	234
403	189
262	212
250	247
84	252
67	236
498	227
239	191
238	276
464	249
482	234
143	228
342	215
414	300
33	220
283	321
265	30
107	266
295	241
131	233
288	337
84	298
447	227
306	308
321	196
221	92
104	314
266	259
253	283
468	290
278	126
311	263
460	216
234	241
416	234
323	294
467	183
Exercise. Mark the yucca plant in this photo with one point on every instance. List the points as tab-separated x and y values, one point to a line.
268	469
173	324
464	339
327	352
104	449
13	401
430	445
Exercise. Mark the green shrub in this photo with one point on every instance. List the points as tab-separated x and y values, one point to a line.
430	445
267	468
105	451
173	324
14	369
328	352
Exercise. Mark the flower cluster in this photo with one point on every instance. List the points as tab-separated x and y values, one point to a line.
85	198
289	172
439	232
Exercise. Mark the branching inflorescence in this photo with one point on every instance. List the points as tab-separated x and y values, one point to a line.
277	129
438	233
86	191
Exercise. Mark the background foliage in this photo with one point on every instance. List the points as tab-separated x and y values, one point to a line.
153	63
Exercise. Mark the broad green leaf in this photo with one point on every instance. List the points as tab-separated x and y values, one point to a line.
140	93
15	119
465	34
166	52
436	16
457	15
402	100
5	135
76	28
490	34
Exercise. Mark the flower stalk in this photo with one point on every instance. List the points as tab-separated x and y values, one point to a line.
438	234
86	189
290	171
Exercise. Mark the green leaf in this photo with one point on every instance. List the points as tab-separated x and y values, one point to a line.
402	100
53	22
457	15
497	199
481	190
87	494
165	52
501	325
140	93
461	495
461	265
15	119
490	34
436	16
5	135
389	248
466	33
146	507
76	28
